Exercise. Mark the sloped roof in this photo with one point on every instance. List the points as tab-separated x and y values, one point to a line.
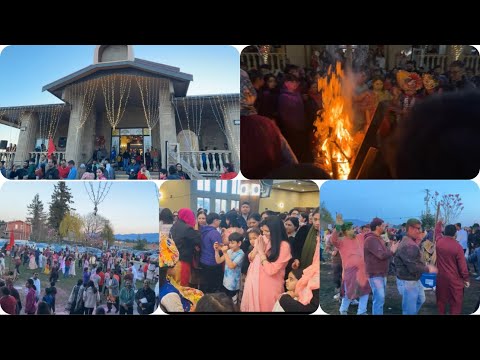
179	79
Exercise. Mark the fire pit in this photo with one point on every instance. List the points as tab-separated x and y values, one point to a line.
340	152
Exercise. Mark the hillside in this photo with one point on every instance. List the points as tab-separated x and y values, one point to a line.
151	237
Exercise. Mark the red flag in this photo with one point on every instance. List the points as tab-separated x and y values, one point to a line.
12	241
51	148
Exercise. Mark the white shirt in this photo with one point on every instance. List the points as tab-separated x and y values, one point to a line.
135	273
462	238
37	285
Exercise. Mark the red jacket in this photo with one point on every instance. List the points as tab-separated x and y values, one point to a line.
141	176
63	172
228	176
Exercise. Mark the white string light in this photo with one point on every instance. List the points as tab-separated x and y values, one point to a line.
115	113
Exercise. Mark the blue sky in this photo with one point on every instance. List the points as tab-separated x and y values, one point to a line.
395	200
132	207
25	69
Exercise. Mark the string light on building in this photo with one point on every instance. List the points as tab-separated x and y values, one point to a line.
457	51
264	51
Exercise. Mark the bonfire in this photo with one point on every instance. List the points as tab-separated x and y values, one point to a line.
335	147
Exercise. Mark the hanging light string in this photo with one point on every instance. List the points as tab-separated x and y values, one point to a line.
114	115
151	91
84	94
43	123
54	114
197	110
187	140
222	115
102	192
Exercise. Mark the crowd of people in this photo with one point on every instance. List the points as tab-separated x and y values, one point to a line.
362	257
278	112
260	262
107	281
103	169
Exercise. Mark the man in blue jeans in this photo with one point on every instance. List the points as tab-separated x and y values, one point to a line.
377	257
409	268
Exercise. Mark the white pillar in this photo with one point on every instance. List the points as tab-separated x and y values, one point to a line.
167	127
75	134
26	139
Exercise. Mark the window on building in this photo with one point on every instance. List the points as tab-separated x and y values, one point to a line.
203	203
221	186
235	204
235	187
16	226
220	205
203	185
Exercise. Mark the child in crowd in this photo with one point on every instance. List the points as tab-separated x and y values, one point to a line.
247	247
233	257
290	283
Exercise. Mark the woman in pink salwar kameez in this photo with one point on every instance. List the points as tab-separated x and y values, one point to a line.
265	277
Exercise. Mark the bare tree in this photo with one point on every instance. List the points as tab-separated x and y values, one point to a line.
93	226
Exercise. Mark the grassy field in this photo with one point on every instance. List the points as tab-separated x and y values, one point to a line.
393	300
64	288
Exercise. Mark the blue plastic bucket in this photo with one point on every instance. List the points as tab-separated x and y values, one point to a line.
429	280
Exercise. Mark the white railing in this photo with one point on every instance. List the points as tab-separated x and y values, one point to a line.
208	162
277	61
429	61
472	61
8	157
59	155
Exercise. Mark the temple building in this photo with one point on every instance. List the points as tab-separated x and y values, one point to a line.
130	104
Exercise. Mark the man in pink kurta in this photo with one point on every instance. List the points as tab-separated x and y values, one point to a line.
452	274
355	281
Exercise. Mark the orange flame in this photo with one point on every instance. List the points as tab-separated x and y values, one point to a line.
334	124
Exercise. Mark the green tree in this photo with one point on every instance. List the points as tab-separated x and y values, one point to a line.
428	220
37	219
141	244
107	235
60	205
325	216
71	227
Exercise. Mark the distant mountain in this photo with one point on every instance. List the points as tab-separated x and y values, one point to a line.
357	222
151	238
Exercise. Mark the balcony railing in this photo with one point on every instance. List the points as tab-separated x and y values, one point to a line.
208	163
59	155
472	61
429	61
277	61
8	157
